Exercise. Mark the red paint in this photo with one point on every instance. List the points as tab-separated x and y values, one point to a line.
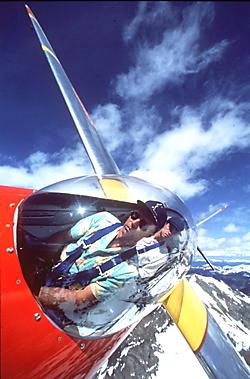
30	348
29	10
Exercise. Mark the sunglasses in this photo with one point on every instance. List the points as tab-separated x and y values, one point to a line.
135	215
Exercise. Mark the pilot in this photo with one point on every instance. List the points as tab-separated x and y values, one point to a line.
143	222
170	241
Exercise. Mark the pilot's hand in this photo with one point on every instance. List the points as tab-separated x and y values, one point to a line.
52	296
163	233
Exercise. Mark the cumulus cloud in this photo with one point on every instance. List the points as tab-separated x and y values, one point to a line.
246	237
108	119
126	130
223	246
40	169
176	156
231	228
179	53
171	153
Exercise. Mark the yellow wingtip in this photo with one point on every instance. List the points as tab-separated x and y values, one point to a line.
188	312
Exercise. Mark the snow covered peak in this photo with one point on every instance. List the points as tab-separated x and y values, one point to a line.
155	349
230	308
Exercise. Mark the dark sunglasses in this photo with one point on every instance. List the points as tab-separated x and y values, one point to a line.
135	215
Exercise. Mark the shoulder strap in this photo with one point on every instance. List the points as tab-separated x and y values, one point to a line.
64	266
85	277
99	234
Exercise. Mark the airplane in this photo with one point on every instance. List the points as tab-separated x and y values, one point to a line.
34	342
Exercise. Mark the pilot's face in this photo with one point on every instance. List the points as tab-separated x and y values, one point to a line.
136	227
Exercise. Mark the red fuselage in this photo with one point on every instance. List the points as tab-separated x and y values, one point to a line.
31	346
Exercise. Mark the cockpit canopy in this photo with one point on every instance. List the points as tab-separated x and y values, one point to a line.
55	221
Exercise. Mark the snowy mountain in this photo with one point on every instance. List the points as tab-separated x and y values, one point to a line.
230	308
234	272
156	349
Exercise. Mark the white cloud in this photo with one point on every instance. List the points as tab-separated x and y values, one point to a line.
108	119
132	28
40	169
178	54
175	157
231	228
239	245
210	243
236	214
148	14
126	130
246	237
170	154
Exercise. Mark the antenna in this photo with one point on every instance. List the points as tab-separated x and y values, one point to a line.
212	215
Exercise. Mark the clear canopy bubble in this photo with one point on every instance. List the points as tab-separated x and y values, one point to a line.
98	254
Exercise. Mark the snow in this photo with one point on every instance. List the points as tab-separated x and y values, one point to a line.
229	325
234	270
177	361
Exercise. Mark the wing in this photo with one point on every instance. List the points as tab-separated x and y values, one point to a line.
213	349
100	159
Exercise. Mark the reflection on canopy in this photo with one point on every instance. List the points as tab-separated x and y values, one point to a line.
128	280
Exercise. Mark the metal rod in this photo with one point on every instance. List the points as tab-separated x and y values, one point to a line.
203	255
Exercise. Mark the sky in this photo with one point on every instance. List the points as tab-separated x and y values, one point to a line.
167	85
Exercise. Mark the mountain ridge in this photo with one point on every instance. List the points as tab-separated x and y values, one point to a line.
153	343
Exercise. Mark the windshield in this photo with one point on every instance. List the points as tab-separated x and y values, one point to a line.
96	264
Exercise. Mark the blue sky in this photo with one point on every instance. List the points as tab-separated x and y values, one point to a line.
168	82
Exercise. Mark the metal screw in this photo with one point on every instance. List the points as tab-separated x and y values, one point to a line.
12	204
82	346
18	281
7	225
10	250
37	316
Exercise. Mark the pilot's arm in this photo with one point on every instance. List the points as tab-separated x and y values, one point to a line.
54	296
